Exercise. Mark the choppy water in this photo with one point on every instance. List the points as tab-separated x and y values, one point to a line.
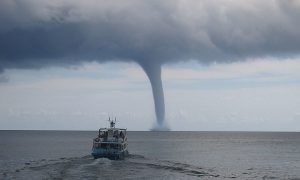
153	155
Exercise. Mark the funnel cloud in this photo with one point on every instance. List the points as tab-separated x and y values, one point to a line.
153	72
36	34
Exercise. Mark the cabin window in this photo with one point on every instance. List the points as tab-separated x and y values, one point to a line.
103	145
115	146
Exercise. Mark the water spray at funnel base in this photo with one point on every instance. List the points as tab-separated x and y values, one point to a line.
153	72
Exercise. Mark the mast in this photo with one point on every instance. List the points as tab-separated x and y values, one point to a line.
112	122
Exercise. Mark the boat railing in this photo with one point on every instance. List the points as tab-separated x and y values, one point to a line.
119	140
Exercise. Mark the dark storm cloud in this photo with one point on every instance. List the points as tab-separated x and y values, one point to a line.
36	33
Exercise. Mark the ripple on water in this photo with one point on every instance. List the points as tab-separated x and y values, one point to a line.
133	167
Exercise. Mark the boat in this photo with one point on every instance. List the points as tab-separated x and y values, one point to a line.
110	143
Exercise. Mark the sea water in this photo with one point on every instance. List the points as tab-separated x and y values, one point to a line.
153	155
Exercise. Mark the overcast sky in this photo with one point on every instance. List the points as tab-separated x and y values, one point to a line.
255	95
226	64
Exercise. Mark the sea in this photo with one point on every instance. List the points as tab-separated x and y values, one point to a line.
153	155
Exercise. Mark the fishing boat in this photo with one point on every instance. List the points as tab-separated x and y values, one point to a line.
110	143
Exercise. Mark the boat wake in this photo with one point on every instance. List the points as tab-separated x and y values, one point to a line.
133	167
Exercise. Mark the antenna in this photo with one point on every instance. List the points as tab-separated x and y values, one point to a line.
112	122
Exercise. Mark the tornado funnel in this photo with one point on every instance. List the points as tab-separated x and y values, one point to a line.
153	72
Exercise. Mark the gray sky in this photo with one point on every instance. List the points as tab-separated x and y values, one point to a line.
226	65
254	95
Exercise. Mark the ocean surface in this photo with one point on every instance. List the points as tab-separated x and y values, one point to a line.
153	155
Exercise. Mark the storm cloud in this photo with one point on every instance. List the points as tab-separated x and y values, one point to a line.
36	33
39	33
